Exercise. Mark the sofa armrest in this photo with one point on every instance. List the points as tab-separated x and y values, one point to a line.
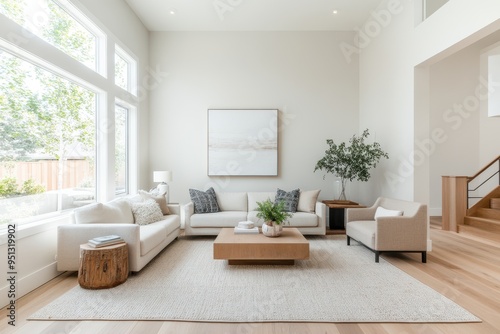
355	214
320	211
71	236
402	232
188	211
175	209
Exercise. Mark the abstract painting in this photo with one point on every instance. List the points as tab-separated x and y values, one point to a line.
242	142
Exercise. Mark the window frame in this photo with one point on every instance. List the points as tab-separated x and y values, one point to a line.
123	105
131	69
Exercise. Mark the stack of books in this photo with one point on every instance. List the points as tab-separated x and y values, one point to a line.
104	241
246	227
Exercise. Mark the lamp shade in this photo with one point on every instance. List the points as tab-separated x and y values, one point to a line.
162	176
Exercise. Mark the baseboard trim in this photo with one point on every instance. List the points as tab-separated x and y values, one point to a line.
435	212
29	283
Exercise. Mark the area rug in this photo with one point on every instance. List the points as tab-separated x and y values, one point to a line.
339	283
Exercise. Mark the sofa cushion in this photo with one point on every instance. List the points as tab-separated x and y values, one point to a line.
158	198
146	212
151	236
112	212
254	197
232	201
307	200
363	231
303	219
204	201
218	219
170	223
299	219
382	212
290	199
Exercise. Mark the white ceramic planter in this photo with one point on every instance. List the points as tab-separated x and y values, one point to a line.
272	231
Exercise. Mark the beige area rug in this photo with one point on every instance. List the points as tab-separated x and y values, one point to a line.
339	283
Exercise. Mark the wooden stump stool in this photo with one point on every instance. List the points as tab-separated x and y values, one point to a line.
102	268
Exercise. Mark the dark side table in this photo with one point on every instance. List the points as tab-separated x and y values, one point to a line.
336	214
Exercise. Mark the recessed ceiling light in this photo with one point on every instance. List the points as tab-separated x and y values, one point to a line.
335	11
172	11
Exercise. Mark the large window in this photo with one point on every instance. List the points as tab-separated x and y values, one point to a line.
121	149
51	20
55	143
47	141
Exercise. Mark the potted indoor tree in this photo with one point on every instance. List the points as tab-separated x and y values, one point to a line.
274	216
351	161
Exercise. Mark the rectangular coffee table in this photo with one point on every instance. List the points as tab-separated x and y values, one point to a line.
259	249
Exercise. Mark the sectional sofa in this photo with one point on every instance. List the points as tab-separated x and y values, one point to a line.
310	218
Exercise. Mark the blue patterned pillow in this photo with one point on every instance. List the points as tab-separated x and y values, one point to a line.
290	199
204	201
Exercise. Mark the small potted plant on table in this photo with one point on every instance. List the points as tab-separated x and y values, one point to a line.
274	216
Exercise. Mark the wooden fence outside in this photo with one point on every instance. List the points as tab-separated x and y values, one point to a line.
45	172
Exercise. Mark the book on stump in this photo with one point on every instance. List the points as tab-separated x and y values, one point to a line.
105	241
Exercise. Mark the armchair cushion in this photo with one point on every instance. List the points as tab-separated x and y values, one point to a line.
381	212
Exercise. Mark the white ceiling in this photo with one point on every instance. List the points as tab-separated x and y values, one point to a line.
253	15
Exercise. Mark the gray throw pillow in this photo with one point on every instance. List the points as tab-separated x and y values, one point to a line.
204	201
291	199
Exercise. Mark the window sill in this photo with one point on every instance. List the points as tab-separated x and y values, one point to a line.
28	229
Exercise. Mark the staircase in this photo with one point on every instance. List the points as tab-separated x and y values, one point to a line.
481	220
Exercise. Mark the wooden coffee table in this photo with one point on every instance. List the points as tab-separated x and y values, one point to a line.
259	249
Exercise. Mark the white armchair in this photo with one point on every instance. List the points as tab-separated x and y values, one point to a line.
389	232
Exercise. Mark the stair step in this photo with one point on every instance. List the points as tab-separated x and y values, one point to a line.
487	224
479	233
488	213
495	203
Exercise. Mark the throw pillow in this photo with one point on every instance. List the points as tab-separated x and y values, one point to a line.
307	201
381	212
291	199
204	201
159	198
108	213
146	212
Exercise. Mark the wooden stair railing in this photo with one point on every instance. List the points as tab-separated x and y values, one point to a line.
456	196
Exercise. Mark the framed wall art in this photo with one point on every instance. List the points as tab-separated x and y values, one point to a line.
243	142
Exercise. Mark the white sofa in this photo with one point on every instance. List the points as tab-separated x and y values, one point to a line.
144	241
310	217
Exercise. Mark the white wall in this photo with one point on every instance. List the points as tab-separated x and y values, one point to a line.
303	74
387	86
489	134
386	100
454	112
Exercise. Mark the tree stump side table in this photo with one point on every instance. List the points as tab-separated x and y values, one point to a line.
104	267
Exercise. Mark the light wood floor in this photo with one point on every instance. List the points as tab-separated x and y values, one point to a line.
465	269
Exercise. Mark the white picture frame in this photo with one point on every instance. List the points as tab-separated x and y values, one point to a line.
242	142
